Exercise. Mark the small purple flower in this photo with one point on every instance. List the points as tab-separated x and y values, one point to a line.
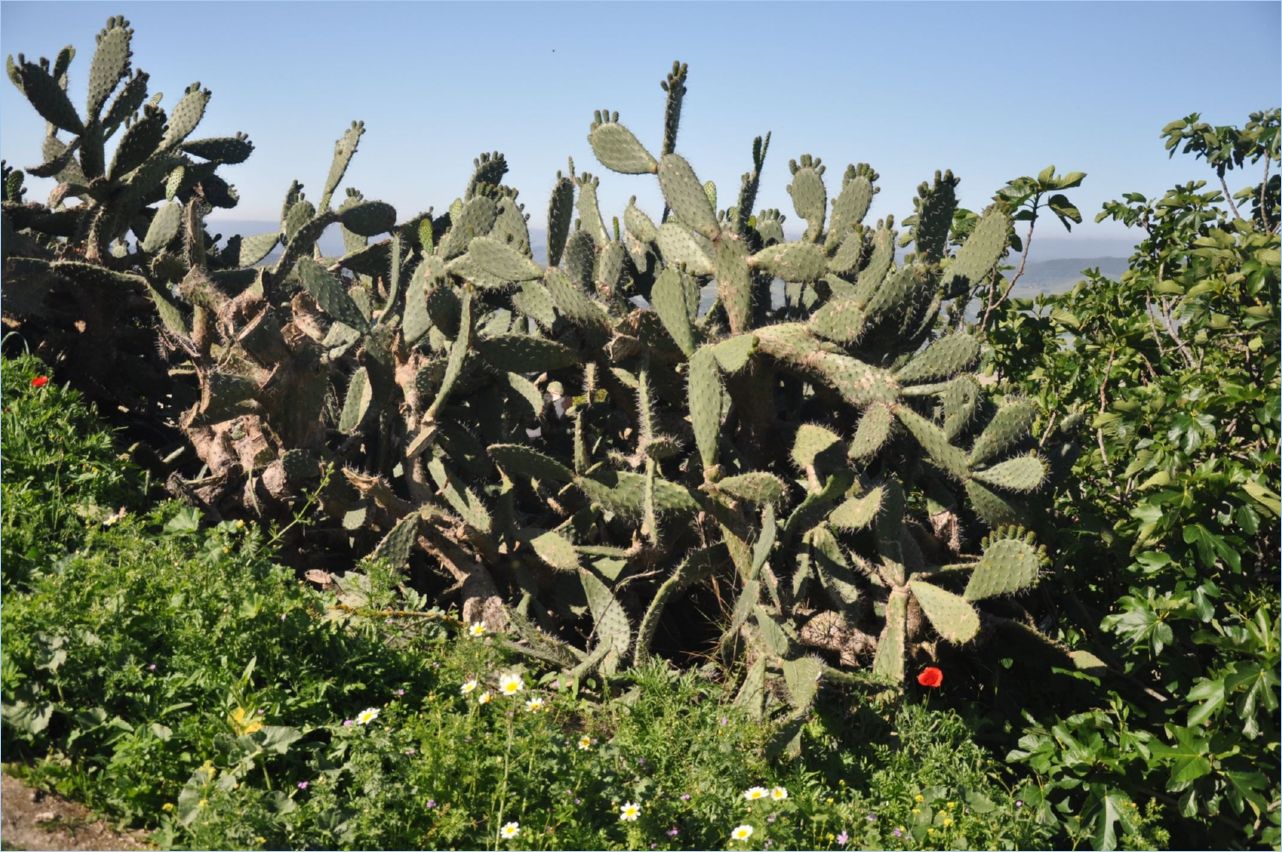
431	803
398	693
897	833
151	667
303	785
724	721
871	817
577	800
685	797
1019	803
347	723
674	831
843	839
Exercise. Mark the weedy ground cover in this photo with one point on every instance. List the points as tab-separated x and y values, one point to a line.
175	677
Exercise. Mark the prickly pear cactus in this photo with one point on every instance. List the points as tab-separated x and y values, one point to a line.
685	403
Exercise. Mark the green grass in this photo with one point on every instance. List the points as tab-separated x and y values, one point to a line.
176	677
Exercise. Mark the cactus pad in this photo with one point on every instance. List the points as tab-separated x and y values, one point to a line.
617	149
951	616
1008	565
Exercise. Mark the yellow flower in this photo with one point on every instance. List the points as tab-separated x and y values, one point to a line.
510	830
202	803
948	821
476	631
829	800
167	807
260	839
468	686
831	837
484	697
629	812
916	811
752	794
585	742
952	806
778	793
742	832
534	705
511	684
930	831
243	722
366	716
919	798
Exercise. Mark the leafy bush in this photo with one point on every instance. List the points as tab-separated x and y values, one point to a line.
1167	527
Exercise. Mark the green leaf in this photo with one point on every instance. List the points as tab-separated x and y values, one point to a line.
1114	807
1187	758
276	739
1210	694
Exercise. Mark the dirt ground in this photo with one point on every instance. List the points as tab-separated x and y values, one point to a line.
37	820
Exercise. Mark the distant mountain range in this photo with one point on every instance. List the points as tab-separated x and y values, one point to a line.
1055	275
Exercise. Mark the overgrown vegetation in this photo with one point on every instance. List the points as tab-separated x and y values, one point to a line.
686	463
175	677
1175	492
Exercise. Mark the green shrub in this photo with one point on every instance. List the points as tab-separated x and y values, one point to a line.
1166	530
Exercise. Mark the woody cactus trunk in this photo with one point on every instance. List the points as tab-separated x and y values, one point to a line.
672	407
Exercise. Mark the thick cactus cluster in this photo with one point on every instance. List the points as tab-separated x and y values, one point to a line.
683	436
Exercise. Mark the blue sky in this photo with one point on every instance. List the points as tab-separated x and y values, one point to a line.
990	90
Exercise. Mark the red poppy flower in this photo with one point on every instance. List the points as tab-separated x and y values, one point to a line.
39	381
931	677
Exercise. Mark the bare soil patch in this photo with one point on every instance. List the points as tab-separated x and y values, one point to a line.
33	819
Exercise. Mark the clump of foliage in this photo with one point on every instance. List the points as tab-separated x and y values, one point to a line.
1174	496
51	449
176	678
592	449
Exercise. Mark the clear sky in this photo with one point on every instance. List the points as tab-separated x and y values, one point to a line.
990	90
